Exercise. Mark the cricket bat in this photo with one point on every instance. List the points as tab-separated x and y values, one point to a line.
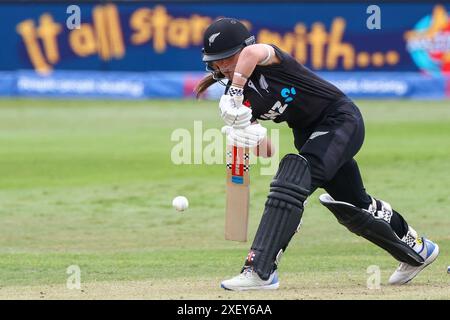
238	193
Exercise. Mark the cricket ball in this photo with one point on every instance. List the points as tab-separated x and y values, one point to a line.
180	203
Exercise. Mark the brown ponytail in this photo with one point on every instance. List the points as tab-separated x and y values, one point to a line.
204	84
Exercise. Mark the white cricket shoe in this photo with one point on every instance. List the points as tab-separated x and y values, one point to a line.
249	280
405	272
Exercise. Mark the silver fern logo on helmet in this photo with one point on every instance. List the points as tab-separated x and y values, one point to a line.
212	38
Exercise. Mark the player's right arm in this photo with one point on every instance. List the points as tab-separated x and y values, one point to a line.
249	58
256	54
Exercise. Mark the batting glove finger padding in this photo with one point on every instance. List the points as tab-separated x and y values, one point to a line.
233	112
226	130
239	118
251	136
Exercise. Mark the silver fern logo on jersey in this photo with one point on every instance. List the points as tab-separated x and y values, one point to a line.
263	83
251	85
317	134
212	38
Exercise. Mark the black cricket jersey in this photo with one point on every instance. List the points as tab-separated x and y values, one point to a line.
289	92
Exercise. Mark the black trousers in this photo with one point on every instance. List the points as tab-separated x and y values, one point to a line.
330	147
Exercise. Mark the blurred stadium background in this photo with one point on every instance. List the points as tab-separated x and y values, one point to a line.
138	49
86	117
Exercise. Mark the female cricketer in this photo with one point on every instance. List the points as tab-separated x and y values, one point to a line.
265	83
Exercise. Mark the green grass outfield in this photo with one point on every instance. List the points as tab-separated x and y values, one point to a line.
90	183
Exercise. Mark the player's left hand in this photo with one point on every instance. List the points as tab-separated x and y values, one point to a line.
249	137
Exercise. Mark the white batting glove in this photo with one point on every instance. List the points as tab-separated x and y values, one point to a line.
232	111
250	137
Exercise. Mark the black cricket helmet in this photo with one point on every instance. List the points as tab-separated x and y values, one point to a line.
222	39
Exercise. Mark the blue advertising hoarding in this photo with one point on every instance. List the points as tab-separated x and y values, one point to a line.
344	41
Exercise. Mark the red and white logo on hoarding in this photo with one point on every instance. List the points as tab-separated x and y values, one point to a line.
429	42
